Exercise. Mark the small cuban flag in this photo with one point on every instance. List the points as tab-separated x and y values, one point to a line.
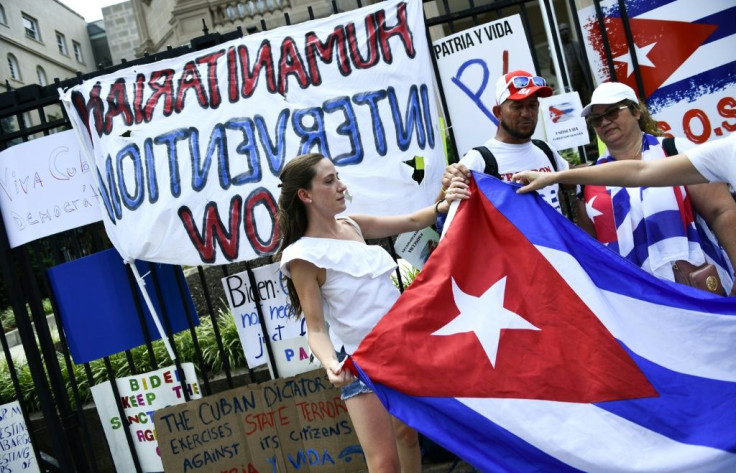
524	345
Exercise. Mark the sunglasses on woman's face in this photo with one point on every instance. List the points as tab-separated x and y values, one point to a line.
521	82
610	114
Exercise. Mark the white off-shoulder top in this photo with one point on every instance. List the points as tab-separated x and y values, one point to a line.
358	290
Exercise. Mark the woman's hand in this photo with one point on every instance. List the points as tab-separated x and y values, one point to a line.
338	376
457	190
452	171
533	180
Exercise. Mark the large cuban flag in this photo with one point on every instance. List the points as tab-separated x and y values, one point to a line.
524	345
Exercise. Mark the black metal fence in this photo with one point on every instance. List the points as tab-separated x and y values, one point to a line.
65	433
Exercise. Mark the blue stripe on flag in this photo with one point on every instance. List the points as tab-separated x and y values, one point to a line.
478	440
621	206
724	19
707	421
663	225
707	82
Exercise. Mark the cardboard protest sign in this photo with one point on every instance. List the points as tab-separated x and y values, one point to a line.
98	309
564	126
469	64
294	424
285	331
187	151
16	451
46	188
142	396
686	57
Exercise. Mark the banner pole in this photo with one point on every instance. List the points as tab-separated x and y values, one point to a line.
142	285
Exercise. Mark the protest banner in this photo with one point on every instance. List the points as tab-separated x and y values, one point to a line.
563	125
686	57
187	151
285	330
16	451
46	188
294	424
469	64
142	396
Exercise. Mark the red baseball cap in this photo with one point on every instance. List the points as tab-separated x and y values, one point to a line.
520	85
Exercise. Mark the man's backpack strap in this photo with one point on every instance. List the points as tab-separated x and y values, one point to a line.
550	155
669	147
491	165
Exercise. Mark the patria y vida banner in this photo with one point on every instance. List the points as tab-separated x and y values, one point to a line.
187	151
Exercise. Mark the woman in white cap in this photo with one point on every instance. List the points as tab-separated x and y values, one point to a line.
655	228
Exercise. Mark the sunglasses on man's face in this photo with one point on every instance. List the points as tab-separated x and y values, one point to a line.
521	82
610	114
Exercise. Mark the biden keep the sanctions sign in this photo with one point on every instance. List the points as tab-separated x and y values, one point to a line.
188	151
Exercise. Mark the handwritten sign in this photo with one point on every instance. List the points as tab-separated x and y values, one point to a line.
16	452
46	188
141	397
188	150
469	64
285	330
285	425
563	124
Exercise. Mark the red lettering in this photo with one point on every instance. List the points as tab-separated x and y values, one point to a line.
214	231
401	29
264	61
704	123
326	51
190	79
160	89
727	109
117	100
291	64
211	61
261	196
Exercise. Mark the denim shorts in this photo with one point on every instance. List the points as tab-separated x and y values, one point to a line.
354	388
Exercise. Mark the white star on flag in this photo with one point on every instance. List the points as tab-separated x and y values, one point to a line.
592	211
642	56
485	316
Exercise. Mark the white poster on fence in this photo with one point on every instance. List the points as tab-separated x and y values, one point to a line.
141	396
686	53
286	332
46	188
188	150
16	451
470	62
563	125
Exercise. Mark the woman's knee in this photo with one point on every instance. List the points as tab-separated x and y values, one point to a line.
405	435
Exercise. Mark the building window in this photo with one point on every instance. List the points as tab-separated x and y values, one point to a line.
78	51
31	26
14	69
3	20
61	42
41	75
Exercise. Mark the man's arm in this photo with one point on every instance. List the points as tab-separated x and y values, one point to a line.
677	170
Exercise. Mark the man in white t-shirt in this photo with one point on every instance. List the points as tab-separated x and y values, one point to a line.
517	111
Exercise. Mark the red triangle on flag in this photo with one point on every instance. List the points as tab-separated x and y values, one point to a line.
673	42
571	357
